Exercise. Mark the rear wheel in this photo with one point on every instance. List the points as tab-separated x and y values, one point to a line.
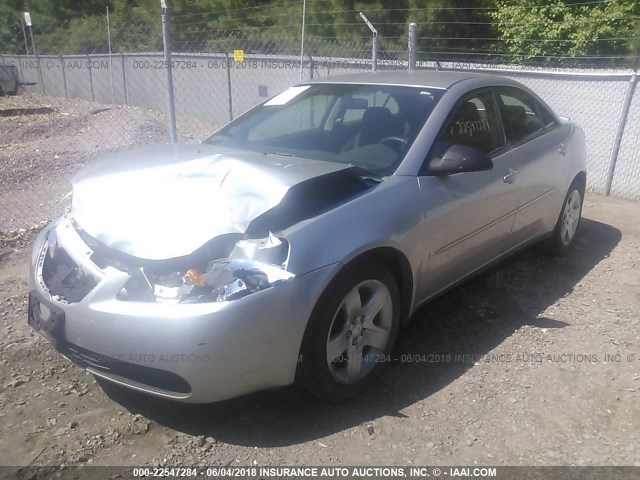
568	221
351	333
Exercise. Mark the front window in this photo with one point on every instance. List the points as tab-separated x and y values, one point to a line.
370	126
473	123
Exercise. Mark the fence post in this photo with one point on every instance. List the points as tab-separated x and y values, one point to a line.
311	67
24	34
124	80
39	62
90	77
622	123
64	77
304	15
374	42
413	29
374	53
20	67
166	40
228	64
113	101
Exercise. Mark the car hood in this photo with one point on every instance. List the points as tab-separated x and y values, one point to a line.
165	201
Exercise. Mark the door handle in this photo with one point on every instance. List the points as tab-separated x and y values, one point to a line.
510	176
563	149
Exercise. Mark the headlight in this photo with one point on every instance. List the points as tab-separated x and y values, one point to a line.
252	266
232	279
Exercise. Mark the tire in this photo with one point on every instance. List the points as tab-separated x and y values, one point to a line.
350	334
568	222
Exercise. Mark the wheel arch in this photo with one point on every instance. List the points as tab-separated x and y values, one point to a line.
581	177
399	267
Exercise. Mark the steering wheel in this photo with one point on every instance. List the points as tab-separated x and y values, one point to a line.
399	142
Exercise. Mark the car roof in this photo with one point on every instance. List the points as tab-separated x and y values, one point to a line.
418	78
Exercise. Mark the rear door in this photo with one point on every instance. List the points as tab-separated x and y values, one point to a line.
534	159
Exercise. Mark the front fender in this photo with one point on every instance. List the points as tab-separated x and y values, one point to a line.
384	217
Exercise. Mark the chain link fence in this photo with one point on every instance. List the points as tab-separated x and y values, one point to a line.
116	94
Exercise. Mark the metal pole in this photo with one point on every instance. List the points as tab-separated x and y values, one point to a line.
311	67
35	54
374	53
20	66
33	45
124	80
622	123
64	77
374	43
24	34
110	59
90	77
413	31
166	40
304	14
228	64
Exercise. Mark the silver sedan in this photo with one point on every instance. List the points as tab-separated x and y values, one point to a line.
292	245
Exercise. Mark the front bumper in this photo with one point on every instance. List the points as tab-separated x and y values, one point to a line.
190	352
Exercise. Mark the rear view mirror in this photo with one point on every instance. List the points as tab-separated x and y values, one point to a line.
459	159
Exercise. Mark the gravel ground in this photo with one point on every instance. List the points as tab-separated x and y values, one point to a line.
536	362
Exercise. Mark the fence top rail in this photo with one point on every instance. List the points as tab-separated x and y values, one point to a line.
348	62
551	73
566	72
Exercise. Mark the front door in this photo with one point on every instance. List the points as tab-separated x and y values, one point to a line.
467	216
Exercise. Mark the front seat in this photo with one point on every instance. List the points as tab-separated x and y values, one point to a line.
377	123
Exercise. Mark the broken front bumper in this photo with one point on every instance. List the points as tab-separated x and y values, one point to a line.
199	352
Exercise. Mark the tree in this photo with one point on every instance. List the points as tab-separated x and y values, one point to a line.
566	28
65	27
10	29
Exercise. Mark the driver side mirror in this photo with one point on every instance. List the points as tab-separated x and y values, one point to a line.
459	159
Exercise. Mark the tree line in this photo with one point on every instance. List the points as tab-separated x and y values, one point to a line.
502	30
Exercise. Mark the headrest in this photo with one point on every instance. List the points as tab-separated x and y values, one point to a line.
468	112
376	115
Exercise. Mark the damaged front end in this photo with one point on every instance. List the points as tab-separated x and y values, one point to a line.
252	266
71	264
219	249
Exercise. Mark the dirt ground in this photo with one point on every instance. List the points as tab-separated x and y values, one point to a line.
536	362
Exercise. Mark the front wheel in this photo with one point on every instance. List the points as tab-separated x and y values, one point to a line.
568	221
351	333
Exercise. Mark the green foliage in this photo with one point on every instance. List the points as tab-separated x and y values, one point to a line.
67	26
565	28
10	27
465	29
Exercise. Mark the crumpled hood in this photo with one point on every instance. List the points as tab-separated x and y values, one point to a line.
165	201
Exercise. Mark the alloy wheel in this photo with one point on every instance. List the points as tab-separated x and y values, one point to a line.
570	217
359	331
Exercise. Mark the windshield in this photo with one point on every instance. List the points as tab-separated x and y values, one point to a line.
370	126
